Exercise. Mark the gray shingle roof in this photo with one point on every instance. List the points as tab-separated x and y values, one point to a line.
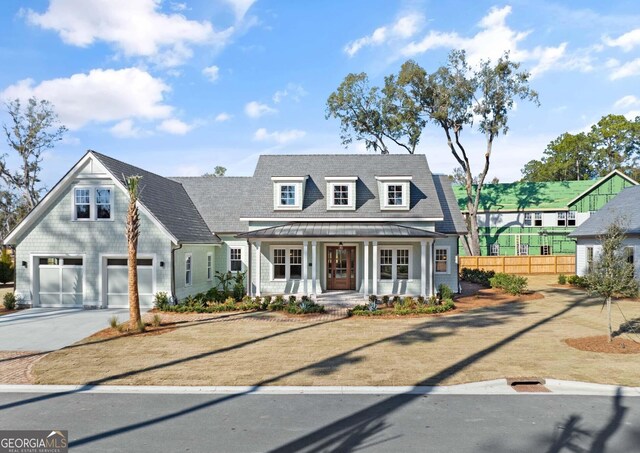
340	229
623	207
220	200
453	222
424	201
167	201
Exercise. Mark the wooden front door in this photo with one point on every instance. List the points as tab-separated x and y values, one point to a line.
341	268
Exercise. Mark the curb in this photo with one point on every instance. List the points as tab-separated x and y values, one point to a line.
493	387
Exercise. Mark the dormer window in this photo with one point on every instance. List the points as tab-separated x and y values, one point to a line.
288	192
341	192
394	192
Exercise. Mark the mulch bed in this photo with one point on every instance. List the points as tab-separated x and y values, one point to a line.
490	297
110	332
600	343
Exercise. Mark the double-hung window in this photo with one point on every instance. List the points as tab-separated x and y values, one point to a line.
235	259
287	263
494	249
394	192
82	200
523	249
442	260
562	218
93	203
188	271
571	218
209	266
287	195
395	195
537	221
527	219
395	263
340	195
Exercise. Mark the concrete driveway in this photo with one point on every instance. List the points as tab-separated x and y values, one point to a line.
47	329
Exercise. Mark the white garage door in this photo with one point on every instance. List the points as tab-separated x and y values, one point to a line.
60	281
118	282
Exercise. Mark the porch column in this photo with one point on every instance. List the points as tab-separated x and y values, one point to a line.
258	268
375	267
432	266
365	269
423	268
314	267
305	267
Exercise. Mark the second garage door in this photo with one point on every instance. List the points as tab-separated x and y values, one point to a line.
118	282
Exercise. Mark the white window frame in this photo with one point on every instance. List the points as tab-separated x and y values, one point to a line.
520	248
209	266
494	251
188	269
528	219
383	186
242	253
93	205
537	217
589	260
561	216
571	215
297	182
435	254
350	182
287	262
394	262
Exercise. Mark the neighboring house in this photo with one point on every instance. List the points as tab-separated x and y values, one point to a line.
300	225
535	218
623	208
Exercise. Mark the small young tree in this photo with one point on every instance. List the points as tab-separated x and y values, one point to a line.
7	270
133	233
612	274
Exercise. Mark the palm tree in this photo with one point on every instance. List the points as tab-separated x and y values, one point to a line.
133	233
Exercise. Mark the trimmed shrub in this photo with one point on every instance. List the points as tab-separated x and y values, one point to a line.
402	310
479	276
385	300
9	301
161	300
576	280
445	292
513	284
562	279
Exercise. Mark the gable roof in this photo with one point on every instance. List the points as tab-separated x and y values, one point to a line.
533	196
623	207
453	222
220	200
166	200
424	202
525	196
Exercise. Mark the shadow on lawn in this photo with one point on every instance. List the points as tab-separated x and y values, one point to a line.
356	429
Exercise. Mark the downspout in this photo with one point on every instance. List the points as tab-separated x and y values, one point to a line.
173	273
249	276
432	266
458	264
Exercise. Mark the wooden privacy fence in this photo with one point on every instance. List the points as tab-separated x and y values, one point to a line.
530	264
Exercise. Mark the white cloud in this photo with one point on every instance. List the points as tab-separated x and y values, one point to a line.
628	102
628	69
403	28
626	42
496	37
175	126
211	73
177	6
126	129
221	117
102	95
240	7
255	109
279	137
293	91
137	28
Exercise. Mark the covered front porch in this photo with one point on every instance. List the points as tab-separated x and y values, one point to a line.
311	258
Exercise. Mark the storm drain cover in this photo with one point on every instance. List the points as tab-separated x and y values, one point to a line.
528	385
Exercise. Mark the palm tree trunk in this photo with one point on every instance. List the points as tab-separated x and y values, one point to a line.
134	296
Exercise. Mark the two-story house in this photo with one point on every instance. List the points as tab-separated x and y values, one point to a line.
536	218
302	224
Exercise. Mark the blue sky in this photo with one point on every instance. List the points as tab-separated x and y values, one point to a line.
178	87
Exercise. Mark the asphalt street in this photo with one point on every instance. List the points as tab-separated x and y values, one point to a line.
398	423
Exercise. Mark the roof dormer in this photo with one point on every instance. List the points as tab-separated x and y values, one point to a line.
288	192
341	193
394	192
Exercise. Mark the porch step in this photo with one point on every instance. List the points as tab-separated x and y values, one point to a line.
341	298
